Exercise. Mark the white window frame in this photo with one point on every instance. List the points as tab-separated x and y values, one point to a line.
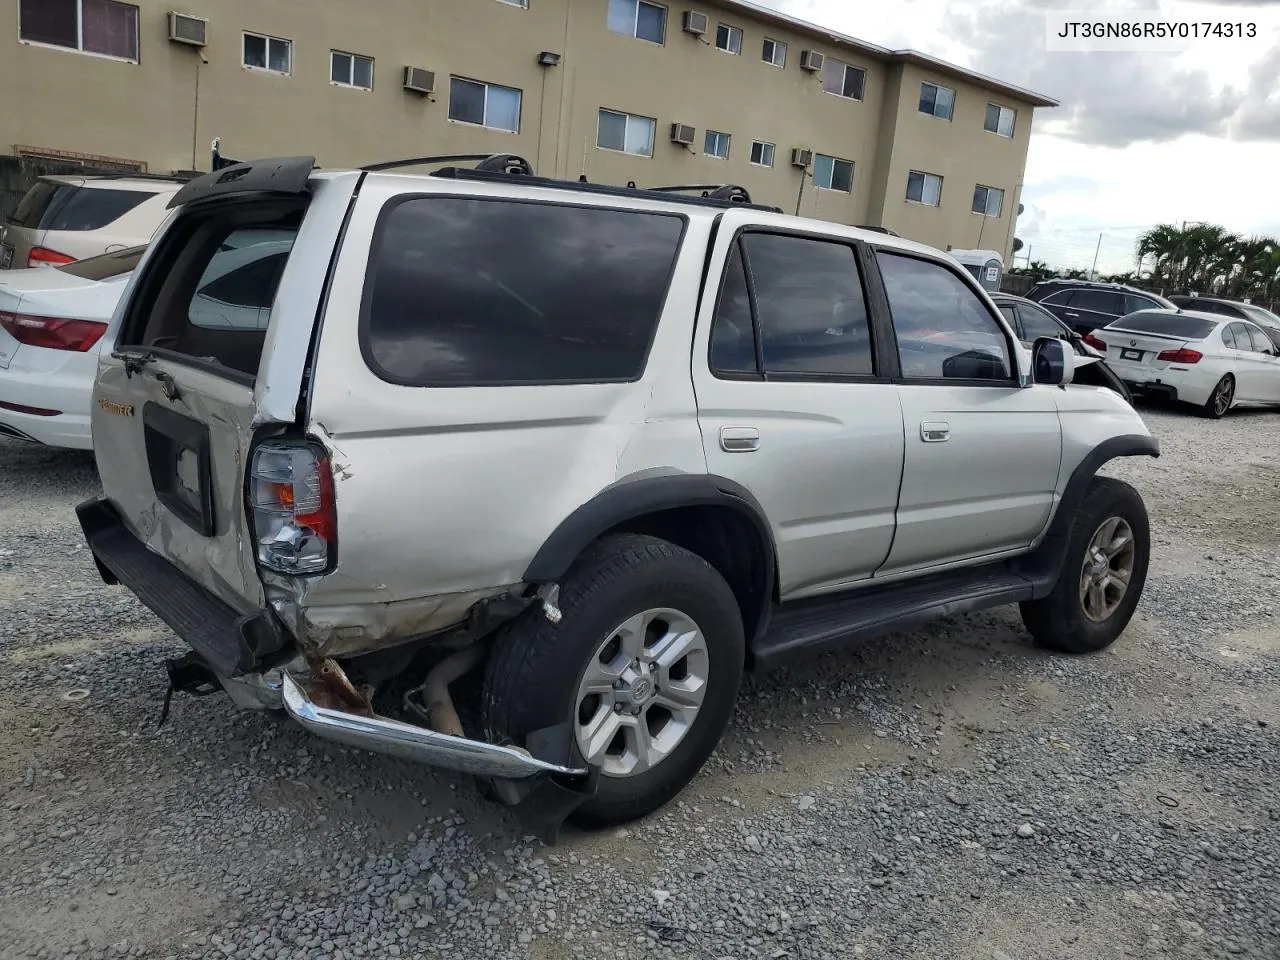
1013	119
772	151
652	121
244	53
938	86
635	21
720	137
986	211
730	32
351	69
834	160
924	192
522	4
79	47
847	68
484	122
777	45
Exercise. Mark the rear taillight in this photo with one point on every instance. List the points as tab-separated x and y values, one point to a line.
52	332
292	508
1092	341
1181	355
44	257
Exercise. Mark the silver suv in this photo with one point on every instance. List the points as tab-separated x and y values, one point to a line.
612	445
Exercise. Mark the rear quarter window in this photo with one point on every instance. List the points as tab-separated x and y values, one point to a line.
471	292
1165	324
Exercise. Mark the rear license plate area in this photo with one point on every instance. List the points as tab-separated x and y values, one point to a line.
1127	354
180	465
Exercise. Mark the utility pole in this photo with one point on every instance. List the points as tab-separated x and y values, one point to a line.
1093	272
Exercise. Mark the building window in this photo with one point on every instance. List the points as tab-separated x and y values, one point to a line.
351	70
625	133
484	104
268	53
104	27
924	188
639	19
843	79
937	101
728	39
832	173
999	120
775	52
516	3
762	153
716	144
988	201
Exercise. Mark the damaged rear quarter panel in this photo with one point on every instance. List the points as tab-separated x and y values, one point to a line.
445	494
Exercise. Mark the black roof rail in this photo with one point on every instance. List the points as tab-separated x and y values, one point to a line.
506	163
712	191
581	185
162	177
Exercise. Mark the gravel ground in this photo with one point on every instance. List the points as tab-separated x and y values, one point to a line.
949	792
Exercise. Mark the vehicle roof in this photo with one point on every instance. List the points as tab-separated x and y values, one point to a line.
150	184
640	199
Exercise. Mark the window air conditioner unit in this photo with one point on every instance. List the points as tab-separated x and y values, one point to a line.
183	28
695	23
800	157
682	133
419	80
812	60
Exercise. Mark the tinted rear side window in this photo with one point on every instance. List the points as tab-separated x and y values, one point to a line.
91	209
1166	325
1100	301
469	292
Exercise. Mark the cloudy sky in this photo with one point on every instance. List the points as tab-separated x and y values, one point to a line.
1140	138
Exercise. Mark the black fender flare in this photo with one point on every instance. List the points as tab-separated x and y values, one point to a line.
1044	564
637	496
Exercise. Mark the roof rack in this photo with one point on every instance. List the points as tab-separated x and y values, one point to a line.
507	163
163	177
714	191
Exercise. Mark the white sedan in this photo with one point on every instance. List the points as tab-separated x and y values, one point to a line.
1209	361
51	324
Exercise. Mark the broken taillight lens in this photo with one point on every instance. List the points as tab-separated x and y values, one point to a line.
292	508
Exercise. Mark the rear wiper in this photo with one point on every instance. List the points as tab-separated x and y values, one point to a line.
134	362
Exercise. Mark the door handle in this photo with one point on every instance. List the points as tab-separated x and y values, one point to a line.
1070	313
935	431
739	439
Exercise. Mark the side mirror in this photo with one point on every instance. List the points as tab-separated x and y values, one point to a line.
1053	362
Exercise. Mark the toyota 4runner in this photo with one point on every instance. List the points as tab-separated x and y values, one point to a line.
611	445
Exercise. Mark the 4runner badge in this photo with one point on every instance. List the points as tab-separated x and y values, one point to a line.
119	409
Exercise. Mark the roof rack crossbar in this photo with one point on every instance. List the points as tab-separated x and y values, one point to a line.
507	163
715	191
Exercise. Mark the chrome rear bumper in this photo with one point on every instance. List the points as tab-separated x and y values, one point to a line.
409	742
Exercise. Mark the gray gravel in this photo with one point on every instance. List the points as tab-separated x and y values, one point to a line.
949	792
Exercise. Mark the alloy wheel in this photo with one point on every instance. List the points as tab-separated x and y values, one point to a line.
1107	569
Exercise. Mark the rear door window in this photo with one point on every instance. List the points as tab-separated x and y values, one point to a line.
1037	323
1229	337
469	292
1261	342
1098	301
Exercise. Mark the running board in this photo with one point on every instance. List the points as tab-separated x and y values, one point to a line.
808	628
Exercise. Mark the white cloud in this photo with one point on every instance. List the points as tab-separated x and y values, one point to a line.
1141	138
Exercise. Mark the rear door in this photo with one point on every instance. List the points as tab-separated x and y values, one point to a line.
793	403
1265	363
1089	309
178	400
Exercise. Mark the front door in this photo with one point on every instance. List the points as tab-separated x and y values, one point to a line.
982	453
790	405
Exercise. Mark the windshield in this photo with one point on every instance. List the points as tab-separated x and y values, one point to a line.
106	266
1165	324
1258	315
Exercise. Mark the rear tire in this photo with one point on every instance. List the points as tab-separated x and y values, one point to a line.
1219	402
626	601
1090	606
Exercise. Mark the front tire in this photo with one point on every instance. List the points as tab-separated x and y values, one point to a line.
1102	576
645	665
1219	402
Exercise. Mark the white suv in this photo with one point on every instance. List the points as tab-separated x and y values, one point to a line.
63	219
615	445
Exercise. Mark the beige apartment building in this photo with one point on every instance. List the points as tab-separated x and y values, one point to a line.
711	92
